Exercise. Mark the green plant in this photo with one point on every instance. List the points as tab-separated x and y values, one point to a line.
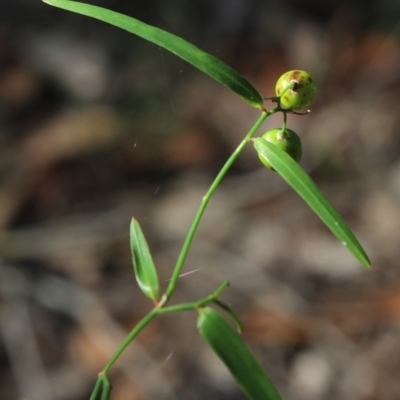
294	90
287	140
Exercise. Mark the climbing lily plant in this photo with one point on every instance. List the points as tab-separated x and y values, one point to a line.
278	149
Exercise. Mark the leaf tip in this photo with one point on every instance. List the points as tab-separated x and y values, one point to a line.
133	220
364	260
367	264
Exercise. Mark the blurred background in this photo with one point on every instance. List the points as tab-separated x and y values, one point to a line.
97	126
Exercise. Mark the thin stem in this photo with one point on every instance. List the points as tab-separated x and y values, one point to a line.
284	122
196	304
133	333
189	238
236	319
106	388
102	379
97	386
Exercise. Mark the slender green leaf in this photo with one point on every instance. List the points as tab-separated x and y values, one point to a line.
207	63
298	179
237	357
145	270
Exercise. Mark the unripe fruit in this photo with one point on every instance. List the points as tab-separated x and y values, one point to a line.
302	92
288	141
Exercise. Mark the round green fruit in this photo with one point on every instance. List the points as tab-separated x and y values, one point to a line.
302	93
288	141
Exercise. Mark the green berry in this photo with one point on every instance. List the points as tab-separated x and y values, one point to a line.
302	93
288	141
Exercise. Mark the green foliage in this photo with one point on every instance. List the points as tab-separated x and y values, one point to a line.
235	354
279	149
145	270
296	89
298	179
205	62
287	140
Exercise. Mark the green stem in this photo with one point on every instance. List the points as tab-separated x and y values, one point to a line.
189	238
196	304
106	388
235	318
102	379
97	386
284	122
133	333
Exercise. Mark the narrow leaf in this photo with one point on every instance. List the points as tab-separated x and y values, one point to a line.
298	179
235	354
207	63
145	270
